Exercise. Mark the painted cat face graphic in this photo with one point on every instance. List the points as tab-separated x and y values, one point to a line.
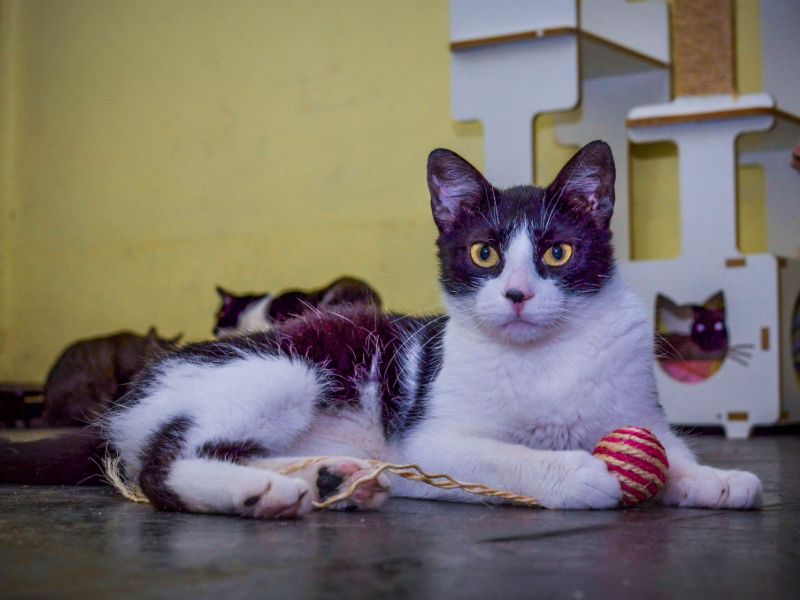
692	340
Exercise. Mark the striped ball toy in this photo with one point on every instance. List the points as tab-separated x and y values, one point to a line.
638	460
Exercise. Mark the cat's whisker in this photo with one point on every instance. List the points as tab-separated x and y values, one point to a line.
676	354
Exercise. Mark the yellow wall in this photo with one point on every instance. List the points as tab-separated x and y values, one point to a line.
152	149
164	147
8	82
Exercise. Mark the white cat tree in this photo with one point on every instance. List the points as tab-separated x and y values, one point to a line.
515	59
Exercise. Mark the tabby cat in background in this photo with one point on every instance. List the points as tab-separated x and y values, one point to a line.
90	375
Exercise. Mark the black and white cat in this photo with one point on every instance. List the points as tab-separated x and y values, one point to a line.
544	350
241	314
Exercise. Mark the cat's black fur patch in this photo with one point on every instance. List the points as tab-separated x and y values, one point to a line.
231	451
429	336
159	453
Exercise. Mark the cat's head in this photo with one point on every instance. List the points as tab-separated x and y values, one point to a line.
155	344
709	331
519	263
239	313
704	324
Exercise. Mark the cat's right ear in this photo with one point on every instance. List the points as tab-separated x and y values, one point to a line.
457	188
715	302
223	295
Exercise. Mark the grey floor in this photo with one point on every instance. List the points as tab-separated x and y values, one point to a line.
88	542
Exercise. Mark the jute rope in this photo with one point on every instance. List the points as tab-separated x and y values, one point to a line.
131	491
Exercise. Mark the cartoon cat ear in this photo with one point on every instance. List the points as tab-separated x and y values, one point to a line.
456	187
664	303
586	183
716	302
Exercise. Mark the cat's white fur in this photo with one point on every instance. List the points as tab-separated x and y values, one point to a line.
517	405
267	399
516	415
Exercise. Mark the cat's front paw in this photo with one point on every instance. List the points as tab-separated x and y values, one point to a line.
334	475
276	497
580	481
339	477
706	487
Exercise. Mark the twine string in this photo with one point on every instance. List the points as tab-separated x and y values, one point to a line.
131	491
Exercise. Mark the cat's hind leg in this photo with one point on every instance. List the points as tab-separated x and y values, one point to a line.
187	437
228	488
330	476
178	474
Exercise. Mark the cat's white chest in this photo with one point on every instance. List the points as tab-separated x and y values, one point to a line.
560	395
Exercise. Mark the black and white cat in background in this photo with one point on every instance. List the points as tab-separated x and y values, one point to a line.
240	314
543	351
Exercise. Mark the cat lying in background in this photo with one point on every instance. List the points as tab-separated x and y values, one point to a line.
253	312
91	374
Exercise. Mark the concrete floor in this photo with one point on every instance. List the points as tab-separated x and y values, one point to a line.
88	542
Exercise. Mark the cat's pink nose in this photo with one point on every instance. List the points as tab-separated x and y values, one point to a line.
518	296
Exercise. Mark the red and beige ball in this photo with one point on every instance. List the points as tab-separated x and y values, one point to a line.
638	460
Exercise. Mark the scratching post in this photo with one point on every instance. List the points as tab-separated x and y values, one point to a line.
612	58
703	46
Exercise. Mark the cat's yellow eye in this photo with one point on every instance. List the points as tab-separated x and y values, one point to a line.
484	255
557	255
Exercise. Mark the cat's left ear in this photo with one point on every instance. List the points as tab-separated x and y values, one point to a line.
224	295
457	188
586	183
